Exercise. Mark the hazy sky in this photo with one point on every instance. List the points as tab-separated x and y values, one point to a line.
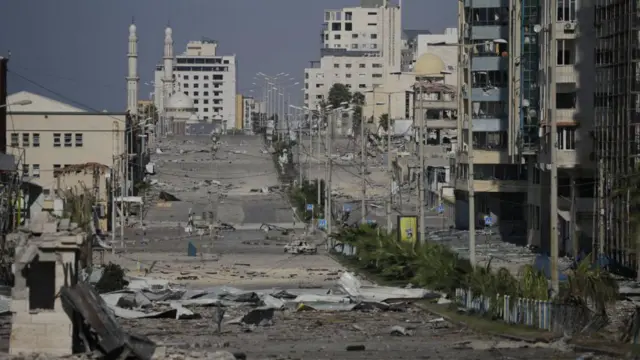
78	48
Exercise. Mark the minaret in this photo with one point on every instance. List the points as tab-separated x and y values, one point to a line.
168	63
132	79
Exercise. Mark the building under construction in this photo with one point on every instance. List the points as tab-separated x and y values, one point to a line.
617	136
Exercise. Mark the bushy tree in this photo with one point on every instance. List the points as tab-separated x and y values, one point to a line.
338	94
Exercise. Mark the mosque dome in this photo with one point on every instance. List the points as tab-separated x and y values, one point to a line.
180	102
429	64
193	119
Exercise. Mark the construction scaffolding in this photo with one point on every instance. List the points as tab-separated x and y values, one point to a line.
617	134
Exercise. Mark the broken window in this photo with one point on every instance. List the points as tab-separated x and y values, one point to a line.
41	280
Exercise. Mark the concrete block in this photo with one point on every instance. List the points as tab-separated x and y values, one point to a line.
27	332
61	345
20	305
50	318
19	295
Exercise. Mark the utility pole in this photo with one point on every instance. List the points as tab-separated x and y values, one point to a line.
318	152
363	170
330	174
551	68
421	194
574	223
122	192
471	175
3	104
601	213
299	145
389	166
143	170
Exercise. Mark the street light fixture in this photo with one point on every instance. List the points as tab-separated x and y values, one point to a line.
17	103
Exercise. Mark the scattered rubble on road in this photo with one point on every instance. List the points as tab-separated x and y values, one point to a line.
153	298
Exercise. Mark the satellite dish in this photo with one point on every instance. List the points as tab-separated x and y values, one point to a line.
525	103
537	28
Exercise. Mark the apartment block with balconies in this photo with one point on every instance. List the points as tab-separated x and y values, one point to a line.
491	97
573	64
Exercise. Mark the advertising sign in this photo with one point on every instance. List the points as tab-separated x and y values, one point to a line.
407	228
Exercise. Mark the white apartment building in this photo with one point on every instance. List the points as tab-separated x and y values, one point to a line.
207	78
46	136
361	46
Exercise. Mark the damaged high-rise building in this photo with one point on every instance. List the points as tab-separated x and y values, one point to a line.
616	130
507	94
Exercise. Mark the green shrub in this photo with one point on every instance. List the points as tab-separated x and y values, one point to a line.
435	266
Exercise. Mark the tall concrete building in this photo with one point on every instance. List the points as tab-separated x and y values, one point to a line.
517	85
207	78
492	97
617	148
361	46
572	88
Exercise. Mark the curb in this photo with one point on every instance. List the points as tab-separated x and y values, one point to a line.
529	340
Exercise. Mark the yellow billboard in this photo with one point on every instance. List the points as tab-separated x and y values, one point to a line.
407	228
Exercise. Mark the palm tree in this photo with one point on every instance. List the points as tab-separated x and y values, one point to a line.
383	122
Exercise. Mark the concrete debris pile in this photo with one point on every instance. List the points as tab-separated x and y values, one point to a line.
153	298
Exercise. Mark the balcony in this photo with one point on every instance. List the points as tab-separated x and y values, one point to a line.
493	186
566	116
565	74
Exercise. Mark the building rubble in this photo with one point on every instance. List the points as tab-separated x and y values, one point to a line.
153	298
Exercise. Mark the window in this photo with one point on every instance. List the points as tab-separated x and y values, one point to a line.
488	16
25	170
348	16
536	176
205	101
67	140
336	26
25	139
14	140
36	170
377	75
348	26
206	93
78	140
374	36
361	66
336	37
186	93
372	24
56	140
354	36
186	77
206	77
348	76
36	140
196	85
206	85
348	66
490	79
362	86
490	109
195	77
372	13
336	66
56	170
196	93
566	50
566	100
566	138
376	66
186	85
196	101
567	10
